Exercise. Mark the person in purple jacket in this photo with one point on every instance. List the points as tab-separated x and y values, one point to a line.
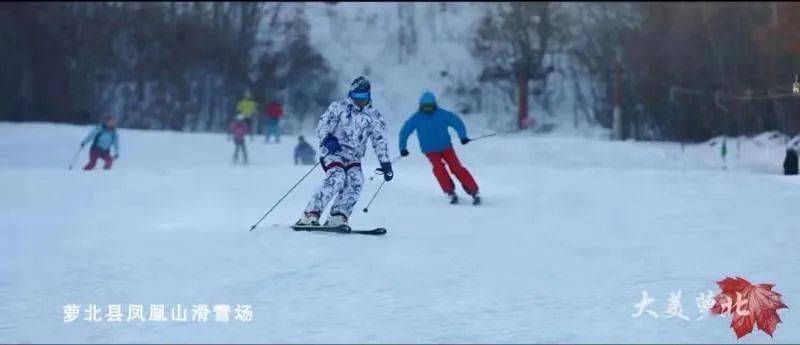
431	124
238	130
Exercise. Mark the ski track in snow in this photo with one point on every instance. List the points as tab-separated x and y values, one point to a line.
572	230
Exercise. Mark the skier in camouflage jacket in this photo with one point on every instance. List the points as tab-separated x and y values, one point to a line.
343	131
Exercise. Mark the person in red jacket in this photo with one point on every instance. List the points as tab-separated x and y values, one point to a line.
273	114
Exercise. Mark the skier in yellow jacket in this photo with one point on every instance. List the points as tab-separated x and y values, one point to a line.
246	108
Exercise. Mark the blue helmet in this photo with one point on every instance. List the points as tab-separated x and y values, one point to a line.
427	98
360	89
427	103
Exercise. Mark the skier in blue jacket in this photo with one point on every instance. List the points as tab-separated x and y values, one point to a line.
103	138
431	123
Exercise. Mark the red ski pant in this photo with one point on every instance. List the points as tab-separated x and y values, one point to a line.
438	159
95	153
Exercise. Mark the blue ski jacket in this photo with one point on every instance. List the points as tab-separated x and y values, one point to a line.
432	130
103	138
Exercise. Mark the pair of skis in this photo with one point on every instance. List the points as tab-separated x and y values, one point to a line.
343	229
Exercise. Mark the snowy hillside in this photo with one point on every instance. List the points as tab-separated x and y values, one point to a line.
363	39
408	48
571	232
411	48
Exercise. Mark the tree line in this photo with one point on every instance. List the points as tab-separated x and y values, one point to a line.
670	71
676	71
177	65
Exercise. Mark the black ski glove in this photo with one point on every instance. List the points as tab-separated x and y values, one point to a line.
464	141
386	168
403	152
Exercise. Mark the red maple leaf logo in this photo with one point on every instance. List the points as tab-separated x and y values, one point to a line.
750	304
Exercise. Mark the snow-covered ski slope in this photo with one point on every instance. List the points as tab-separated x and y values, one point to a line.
570	233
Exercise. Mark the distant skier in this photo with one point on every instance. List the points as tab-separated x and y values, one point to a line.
273	115
303	153
343	131
238	129
247	107
103	137
790	164
431	124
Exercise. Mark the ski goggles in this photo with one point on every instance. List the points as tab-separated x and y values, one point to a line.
427	107
360	95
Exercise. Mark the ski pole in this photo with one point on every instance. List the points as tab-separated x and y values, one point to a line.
283	197
75	157
373	196
493	134
484	136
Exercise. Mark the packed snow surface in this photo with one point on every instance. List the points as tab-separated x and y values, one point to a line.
570	233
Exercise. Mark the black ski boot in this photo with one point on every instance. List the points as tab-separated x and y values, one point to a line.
453	198
476	199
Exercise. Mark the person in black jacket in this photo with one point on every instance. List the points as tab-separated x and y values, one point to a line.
303	153
790	163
